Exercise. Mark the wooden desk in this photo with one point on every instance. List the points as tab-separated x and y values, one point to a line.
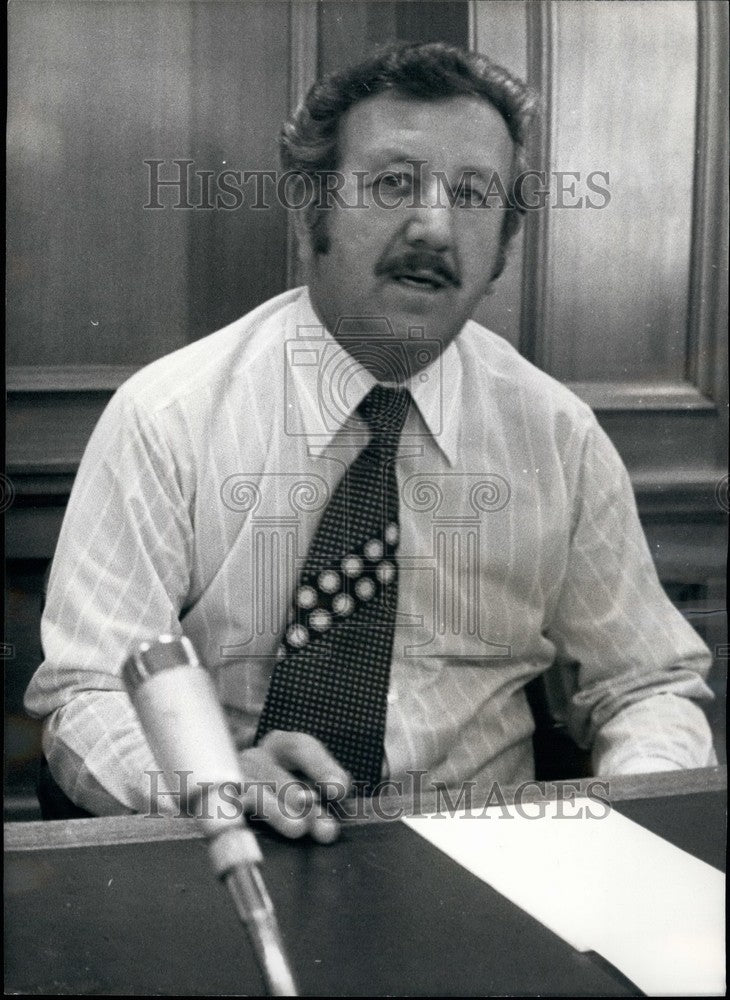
128	905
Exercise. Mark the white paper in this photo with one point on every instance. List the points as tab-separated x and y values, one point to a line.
602	883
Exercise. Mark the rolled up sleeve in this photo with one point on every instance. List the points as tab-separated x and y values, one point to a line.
640	666
119	576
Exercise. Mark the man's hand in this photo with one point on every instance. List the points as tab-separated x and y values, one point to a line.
276	793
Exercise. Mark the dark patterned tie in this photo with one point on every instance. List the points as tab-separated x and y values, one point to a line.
333	669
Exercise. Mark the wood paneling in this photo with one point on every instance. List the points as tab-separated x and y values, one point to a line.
708	306
351	29
21	655
240	83
623	103
95	90
499	31
626	303
99	285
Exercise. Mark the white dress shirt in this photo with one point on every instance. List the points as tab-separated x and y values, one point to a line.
202	486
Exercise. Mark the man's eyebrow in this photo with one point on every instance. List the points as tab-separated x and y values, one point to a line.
485	173
387	155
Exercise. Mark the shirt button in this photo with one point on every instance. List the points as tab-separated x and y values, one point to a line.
392	697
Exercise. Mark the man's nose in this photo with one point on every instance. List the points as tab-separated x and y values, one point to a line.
430	220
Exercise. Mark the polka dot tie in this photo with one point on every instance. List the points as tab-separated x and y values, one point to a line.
333	667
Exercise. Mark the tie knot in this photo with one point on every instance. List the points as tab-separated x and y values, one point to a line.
385	409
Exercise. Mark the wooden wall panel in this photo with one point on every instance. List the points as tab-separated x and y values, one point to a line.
627	303
240	83
499	31
99	285
93	90
351	29
623	103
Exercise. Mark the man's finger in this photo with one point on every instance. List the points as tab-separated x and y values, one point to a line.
287	804
303	752
323	828
261	766
263	803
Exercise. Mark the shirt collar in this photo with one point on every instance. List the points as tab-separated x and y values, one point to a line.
329	385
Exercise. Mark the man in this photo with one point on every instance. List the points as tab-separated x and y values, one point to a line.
511	538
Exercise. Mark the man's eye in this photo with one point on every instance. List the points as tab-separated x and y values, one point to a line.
393	180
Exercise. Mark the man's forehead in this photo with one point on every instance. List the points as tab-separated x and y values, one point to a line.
465	127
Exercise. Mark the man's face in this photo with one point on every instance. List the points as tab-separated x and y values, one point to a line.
408	254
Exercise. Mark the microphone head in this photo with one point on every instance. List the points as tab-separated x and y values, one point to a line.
153	657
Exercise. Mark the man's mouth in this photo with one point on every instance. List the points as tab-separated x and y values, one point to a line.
424	280
419	270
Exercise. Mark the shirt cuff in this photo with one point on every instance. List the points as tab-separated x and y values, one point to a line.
660	733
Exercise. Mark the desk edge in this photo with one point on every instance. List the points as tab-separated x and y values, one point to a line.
107	831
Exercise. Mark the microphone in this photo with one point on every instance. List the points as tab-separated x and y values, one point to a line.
185	727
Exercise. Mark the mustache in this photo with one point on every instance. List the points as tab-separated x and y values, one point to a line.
418	260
